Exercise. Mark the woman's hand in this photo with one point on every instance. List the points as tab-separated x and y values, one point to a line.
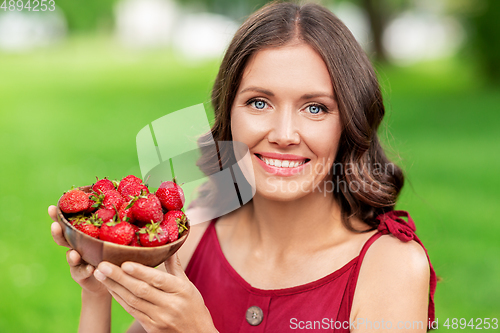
80	271
160	301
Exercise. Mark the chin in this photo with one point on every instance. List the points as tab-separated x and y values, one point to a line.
281	191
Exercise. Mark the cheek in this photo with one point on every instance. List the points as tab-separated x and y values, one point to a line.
247	129
322	138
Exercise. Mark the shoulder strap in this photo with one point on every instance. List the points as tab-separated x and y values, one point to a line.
393	223
201	244
355	273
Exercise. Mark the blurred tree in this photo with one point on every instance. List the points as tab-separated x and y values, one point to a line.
378	20
485	38
87	15
380	13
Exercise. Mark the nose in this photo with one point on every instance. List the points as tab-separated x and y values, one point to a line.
284	131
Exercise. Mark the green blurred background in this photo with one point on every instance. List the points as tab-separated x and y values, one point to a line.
70	111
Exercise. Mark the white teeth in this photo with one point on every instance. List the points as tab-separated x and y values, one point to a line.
281	163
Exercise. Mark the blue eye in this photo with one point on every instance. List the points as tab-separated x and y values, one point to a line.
259	104
315	109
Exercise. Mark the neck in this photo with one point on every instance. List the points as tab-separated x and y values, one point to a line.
309	222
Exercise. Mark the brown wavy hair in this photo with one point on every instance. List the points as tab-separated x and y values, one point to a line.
360	158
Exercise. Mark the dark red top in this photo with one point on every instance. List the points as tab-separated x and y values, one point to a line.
327	300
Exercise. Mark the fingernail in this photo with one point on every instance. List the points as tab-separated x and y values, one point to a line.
128	267
89	268
105	269
99	276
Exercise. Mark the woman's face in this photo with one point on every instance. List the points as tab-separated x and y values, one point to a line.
286	113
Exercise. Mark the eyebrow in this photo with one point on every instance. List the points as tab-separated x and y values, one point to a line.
305	96
257	89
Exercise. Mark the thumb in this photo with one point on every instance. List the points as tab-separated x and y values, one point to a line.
174	267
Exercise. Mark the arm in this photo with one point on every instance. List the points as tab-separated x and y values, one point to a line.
392	288
96	301
95	315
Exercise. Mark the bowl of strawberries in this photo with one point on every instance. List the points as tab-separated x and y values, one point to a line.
120	221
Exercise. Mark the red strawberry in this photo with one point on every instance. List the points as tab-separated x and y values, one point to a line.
153	234
130	190
175	222
125	214
147	209
93	204
87	226
173	215
135	240
170	225
112	200
127	180
117	232
103	185
105	215
74	201
171	195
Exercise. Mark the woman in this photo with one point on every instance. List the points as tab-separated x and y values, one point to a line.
319	247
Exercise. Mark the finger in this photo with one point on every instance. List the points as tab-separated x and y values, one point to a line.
81	272
154	277
137	314
53	212
73	258
79	269
174	267
136	293
57	234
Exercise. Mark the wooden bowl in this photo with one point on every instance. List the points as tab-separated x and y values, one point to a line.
93	250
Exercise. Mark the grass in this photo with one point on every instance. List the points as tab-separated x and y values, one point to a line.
71	112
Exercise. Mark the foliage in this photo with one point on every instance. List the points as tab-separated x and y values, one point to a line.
88	15
486	38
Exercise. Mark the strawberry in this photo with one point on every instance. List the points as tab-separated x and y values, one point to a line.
127	180
169	223
117	232
135	240
87	226
147	209
174	222
93	204
153	234
74	201
130	190
171	195
125	213
105	215
112	200
103	185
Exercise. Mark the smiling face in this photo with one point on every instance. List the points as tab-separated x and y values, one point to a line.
286	113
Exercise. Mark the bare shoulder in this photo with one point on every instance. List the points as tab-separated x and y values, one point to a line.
393	282
389	251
